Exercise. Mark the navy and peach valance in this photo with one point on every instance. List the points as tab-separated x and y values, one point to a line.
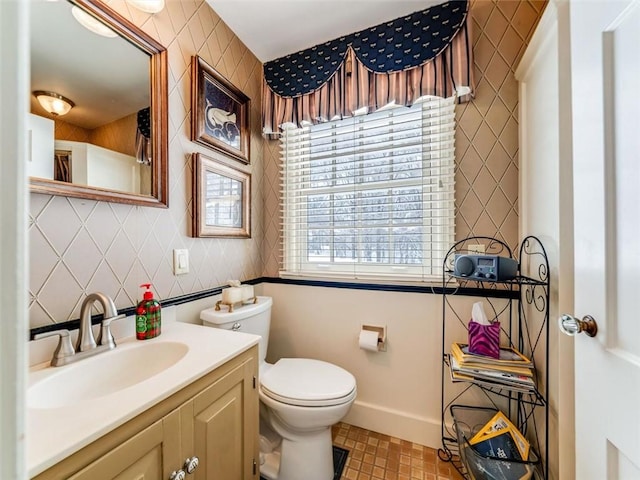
425	53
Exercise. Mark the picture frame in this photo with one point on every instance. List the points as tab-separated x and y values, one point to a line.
219	112
221	199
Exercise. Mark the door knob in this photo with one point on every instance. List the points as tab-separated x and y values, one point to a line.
572	326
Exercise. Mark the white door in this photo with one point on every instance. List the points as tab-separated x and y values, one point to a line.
14	279
605	60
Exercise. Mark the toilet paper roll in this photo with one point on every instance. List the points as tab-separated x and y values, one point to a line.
368	340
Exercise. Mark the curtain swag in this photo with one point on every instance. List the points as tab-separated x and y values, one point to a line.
425	53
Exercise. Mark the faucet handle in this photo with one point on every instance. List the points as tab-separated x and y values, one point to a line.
106	337
63	351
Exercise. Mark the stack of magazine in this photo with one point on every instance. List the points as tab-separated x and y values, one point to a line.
512	371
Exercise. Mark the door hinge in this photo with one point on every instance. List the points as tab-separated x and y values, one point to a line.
255	466
254	382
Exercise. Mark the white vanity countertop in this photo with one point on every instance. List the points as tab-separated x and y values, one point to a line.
55	433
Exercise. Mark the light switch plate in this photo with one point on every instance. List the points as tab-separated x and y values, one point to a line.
180	261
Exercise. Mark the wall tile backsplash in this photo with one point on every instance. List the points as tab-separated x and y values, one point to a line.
79	246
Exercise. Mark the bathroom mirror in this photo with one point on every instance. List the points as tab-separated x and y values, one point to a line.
112	145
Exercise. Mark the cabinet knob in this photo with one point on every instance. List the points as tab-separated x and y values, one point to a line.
179	475
190	464
572	326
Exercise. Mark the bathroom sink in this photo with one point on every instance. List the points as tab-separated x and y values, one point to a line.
103	374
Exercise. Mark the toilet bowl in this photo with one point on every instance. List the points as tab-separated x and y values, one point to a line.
300	399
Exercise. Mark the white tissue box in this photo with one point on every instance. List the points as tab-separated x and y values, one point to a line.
247	292
231	295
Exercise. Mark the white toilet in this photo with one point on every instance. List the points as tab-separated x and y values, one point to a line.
300	399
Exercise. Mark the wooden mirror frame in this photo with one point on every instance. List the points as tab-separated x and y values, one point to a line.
159	120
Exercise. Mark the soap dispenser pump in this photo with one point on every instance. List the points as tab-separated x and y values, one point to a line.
148	318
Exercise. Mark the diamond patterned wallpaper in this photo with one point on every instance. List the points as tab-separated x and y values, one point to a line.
486	136
80	246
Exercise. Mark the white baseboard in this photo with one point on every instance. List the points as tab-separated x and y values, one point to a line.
414	428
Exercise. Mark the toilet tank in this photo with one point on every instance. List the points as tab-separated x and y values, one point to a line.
249	318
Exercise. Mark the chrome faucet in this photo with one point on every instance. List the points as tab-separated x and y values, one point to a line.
86	345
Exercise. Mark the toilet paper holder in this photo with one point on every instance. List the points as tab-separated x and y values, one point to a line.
382	335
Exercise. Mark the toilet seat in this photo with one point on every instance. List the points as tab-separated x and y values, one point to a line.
308	383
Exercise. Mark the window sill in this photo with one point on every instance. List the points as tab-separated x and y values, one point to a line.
428	288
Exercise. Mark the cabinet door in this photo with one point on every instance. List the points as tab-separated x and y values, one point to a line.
138	458
225	426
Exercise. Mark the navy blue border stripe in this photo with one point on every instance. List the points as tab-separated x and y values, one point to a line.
167	302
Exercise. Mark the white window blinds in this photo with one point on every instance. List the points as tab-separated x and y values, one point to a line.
371	196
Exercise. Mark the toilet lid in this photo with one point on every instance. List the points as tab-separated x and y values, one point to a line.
304	381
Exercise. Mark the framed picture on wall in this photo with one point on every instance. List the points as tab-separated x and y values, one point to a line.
219	112
221	199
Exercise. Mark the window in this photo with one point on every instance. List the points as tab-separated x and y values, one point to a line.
371	196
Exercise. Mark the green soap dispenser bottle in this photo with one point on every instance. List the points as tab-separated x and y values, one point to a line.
148	321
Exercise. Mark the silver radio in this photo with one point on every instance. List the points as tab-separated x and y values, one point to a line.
492	268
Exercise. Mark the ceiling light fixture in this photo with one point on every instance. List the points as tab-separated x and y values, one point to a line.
53	102
148	6
91	23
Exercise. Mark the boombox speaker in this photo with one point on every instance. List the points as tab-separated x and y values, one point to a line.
491	268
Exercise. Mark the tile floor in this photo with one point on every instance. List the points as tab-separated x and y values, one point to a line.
374	456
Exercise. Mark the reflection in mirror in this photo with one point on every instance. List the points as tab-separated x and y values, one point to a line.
112	142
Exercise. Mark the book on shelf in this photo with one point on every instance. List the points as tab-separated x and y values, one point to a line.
498	424
503	448
500	444
512	361
525	372
497	470
460	377
496	376
521	442
508	357
497	458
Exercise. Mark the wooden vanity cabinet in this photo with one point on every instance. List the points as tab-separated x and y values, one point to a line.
140	457
214	418
224	423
